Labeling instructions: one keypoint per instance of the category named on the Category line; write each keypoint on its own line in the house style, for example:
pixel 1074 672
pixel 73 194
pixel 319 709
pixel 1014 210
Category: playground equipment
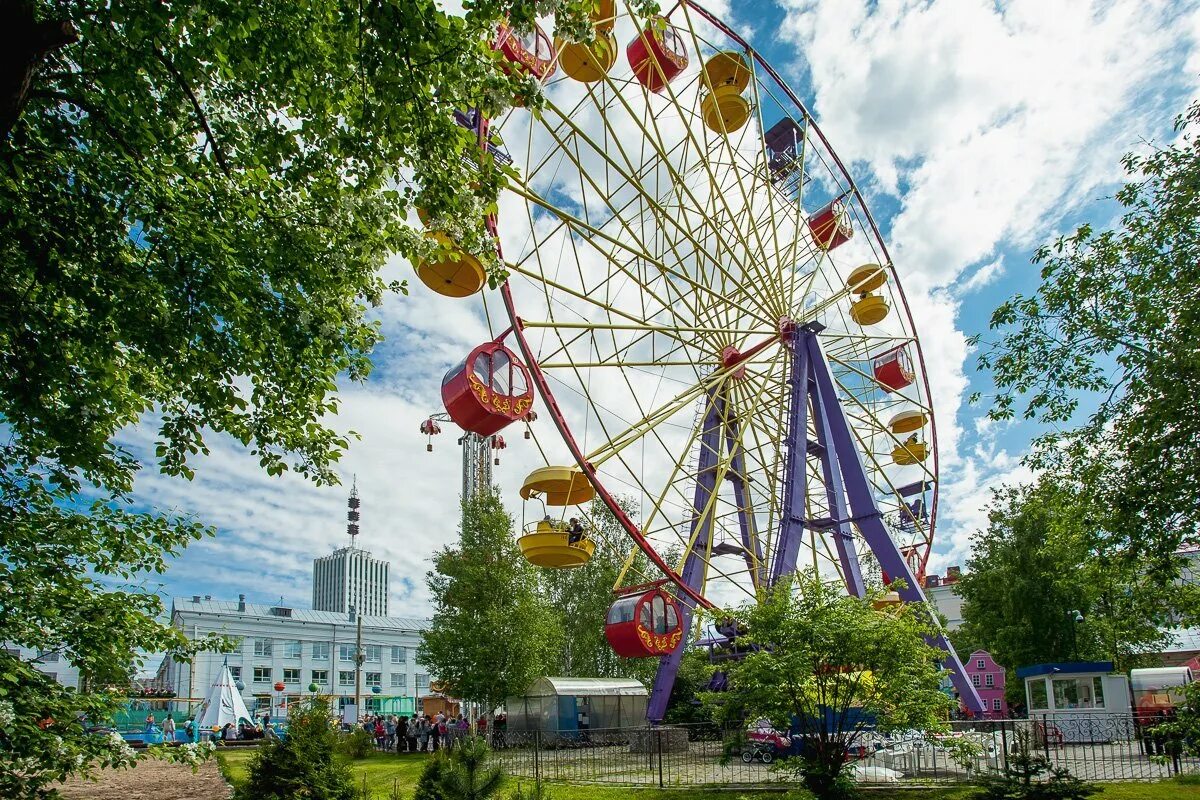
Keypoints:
pixel 714 329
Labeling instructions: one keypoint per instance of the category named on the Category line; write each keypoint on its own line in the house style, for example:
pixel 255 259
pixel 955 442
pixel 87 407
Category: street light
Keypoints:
pixel 1076 617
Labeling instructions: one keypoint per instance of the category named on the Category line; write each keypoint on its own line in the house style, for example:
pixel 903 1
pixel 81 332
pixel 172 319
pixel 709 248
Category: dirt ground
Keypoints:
pixel 152 780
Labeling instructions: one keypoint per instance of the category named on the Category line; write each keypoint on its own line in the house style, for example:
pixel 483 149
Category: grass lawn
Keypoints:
pixel 384 771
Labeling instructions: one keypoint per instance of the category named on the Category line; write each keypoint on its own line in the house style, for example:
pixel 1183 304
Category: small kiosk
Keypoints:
pixel 1078 701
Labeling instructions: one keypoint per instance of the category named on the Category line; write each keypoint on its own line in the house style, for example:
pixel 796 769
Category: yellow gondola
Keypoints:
pixel 588 63
pixel 604 18
pixel 726 75
pixel 547 544
pixel 908 421
pixel 453 272
pixel 869 308
pixel 558 486
pixel 911 452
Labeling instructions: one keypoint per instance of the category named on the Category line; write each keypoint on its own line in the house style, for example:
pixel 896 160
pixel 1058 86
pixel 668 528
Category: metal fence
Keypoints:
pixel 1095 747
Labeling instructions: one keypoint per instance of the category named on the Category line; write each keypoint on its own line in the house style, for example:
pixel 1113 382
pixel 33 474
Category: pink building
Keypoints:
pixel 988 678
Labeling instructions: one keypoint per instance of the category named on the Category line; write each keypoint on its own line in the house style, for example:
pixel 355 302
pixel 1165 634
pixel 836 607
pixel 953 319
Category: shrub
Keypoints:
pixel 302 765
pixel 356 744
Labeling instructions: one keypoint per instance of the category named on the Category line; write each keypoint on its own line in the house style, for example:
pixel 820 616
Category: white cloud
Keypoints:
pixel 983 276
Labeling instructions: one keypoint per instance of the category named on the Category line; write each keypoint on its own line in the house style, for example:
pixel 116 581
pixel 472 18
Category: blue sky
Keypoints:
pixel 977 131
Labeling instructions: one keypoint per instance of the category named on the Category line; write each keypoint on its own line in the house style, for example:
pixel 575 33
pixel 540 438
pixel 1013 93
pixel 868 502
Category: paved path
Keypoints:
pixel 151 780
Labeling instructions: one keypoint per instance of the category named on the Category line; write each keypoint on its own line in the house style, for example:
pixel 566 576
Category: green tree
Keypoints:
pixel 491 635
pixel 304 764
pixel 832 667
pixel 1104 354
pixel 196 200
pixel 1035 567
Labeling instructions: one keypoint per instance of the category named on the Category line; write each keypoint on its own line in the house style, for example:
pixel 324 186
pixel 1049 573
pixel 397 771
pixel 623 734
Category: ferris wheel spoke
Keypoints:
pixel 683 193
pixel 582 226
pixel 655 137
pixel 735 156
pixel 614 212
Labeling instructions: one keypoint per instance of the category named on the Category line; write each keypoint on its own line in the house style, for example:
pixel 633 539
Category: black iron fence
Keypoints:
pixel 1095 747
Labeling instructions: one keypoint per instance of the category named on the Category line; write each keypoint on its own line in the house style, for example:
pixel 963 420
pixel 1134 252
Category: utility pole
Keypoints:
pixel 359 658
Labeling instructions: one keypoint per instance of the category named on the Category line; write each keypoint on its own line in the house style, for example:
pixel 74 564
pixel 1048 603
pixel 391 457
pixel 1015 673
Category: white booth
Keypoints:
pixel 1078 701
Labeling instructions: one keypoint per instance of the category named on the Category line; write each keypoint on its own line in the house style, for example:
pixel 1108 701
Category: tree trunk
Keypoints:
pixel 24 45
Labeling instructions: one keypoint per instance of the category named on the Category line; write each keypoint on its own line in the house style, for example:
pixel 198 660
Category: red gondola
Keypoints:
pixel 893 369
pixel 657 54
pixel 831 225
pixel 487 390
pixel 644 623
pixel 533 52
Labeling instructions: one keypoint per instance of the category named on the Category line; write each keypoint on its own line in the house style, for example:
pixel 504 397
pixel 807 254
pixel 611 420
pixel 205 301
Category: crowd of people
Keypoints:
pixel 420 733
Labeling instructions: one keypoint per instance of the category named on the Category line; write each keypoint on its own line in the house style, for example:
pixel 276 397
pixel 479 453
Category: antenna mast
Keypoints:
pixel 352 513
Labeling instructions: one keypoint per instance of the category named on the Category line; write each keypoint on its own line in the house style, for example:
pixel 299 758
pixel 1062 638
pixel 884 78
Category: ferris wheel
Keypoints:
pixel 703 308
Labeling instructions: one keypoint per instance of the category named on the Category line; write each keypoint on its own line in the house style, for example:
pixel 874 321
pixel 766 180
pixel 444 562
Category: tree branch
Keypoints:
pixel 218 154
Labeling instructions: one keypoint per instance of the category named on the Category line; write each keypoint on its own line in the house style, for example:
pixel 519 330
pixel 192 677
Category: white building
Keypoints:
pixel 350 578
pixel 299 648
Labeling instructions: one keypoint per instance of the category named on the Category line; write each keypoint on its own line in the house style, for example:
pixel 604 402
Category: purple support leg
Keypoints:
pixel 869 520
pixel 741 495
pixel 700 534
pixel 835 494
pixel 795 483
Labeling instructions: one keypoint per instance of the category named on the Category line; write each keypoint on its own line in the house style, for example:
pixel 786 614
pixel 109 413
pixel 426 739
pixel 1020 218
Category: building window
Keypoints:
pixel 262 674
pixel 292 649
pixel 422 681
pixel 996 704
pixel 374 679
pixel 399 655
pixel 1038 698
pixel 345 677
pixel 399 680
pixel 980 664
pixel 345 652
pixel 320 677
pixel 975 680
pixel 291 675
pixel 47 656
pixel 373 652
pixel 236 672
pixel 989 680
pixel 320 651
pixel 262 647
pixel 262 702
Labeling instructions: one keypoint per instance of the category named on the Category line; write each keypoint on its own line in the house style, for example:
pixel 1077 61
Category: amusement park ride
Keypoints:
pixel 703 307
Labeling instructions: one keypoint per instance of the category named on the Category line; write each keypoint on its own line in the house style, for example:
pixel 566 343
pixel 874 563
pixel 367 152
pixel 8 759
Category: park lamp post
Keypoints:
pixel 1076 617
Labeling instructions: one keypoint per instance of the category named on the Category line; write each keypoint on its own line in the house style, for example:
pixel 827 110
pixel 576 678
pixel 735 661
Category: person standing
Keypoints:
pixel 389 733
pixel 422 734
pixel 169 729
pixel 410 733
